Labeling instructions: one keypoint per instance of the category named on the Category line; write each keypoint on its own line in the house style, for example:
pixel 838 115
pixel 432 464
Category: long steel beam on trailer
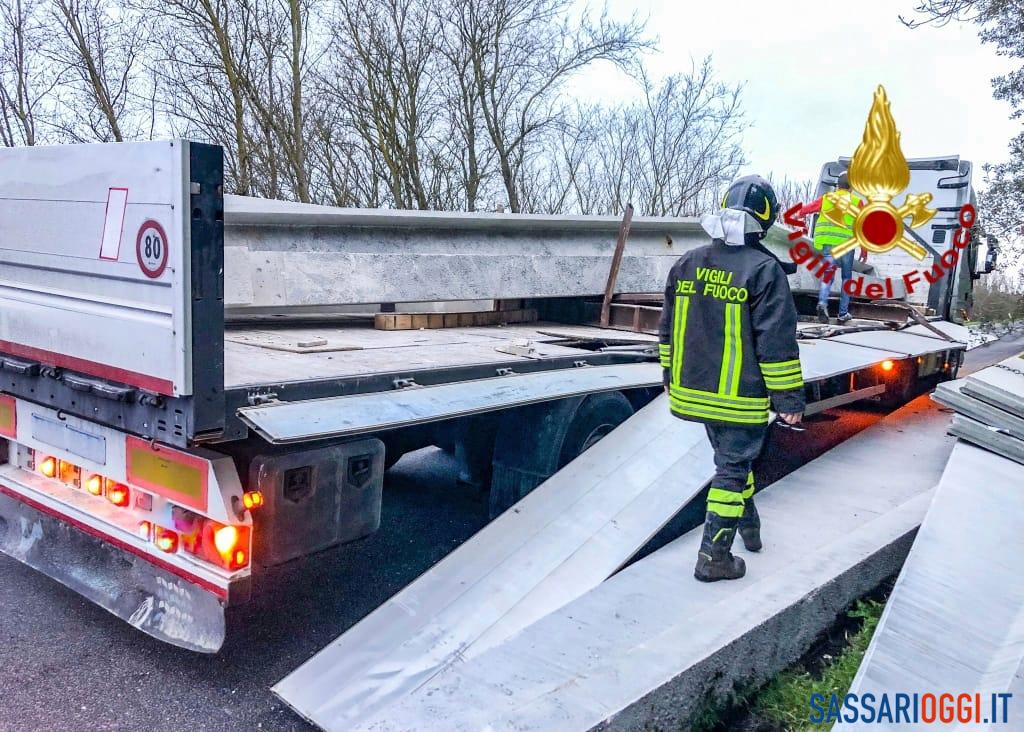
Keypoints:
pixel 280 254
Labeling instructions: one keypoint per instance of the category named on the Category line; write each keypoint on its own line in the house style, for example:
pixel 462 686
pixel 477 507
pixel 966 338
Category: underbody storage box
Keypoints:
pixel 316 498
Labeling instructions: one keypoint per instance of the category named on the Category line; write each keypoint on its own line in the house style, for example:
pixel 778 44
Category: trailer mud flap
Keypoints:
pixel 148 597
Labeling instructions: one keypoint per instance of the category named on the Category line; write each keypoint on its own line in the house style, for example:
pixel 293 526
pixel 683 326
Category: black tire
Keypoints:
pixel 535 442
pixel 900 386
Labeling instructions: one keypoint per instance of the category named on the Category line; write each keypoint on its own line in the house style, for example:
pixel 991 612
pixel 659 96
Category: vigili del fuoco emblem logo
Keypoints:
pixel 879 172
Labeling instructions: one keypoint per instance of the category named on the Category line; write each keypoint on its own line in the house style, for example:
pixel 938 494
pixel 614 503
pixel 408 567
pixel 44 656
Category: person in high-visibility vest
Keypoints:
pixel 727 344
pixel 828 234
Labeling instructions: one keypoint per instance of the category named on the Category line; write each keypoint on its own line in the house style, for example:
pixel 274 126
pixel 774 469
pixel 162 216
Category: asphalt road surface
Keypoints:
pixel 67 664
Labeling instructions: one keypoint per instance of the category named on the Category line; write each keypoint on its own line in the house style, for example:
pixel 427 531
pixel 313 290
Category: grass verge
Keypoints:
pixel 784 701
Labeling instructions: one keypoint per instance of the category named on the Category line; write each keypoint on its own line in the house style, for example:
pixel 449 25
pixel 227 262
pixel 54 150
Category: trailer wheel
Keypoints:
pixel 535 442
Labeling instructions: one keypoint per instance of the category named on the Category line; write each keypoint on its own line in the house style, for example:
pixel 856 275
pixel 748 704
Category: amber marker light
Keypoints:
pixel 94 484
pixel 887 365
pixel 252 499
pixel 48 466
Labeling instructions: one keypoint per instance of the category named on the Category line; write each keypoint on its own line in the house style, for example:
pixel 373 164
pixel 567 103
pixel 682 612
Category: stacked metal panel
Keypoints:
pixel 955 620
pixel 989 407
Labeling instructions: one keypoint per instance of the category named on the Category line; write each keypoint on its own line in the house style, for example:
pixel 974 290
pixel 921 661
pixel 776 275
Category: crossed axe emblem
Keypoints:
pixel 879 226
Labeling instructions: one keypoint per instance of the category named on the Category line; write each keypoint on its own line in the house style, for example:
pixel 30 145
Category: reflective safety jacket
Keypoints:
pixel 727 337
pixel 828 234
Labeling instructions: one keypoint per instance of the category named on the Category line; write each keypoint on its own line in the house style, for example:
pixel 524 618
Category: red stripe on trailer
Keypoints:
pixel 93 368
pixel 220 592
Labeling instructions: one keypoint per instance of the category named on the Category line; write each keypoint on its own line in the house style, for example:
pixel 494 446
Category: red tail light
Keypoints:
pixel 118 494
pixel 225 546
pixel 165 540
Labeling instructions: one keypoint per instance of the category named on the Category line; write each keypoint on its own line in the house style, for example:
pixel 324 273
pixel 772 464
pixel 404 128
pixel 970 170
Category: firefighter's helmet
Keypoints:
pixel 755 195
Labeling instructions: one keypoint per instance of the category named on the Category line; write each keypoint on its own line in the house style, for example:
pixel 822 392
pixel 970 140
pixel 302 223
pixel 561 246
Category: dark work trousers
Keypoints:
pixel 736 449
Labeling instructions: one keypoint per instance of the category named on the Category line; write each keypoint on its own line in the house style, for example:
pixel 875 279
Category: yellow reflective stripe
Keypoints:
pixel 750 478
pixel 784 385
pixel 684 401
pixel 748 492
pixel 679 335
pixel 723 496
pixel 714 400
pixel 726 510
pixel 780 367
pixel 729 378
pixel 734 388
pixel 703 412
pixel 723 368
pixel 744 402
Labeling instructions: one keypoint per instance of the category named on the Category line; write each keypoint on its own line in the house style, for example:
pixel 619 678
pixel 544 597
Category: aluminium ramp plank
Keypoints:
pixel 561 540
pixel 955 619
pixel 910 344
pixel 346 416
pixel 821 358
pixel 642 650
pixel 351 415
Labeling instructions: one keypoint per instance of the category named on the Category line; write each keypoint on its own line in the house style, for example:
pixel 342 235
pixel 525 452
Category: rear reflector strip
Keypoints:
pixel 175 475
pixel 220 592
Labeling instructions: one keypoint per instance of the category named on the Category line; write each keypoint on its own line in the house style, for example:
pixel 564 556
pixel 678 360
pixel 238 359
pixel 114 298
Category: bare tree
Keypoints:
pixel 667 154
pixel 521 53
pixel 98 44
pixel 791 192
pixel 26 84
pixel 388 49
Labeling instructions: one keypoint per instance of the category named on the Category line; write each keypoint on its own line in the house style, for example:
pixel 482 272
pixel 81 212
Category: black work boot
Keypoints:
pixel 823 314
pixel 750 527
pixel 714 560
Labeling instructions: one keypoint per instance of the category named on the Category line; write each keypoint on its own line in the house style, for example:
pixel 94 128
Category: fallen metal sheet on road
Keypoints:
pixel 955 621
pixel 647 647
pixel 950 394
pixel 910 344
pixel 1001 385
pixel 988 437
pixel 563 539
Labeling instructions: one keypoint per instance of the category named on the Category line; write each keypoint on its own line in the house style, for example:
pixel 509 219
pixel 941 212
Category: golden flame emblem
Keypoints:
pixel 879 171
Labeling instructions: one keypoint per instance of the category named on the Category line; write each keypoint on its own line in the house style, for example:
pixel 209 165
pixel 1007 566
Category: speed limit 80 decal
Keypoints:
pixel 151 249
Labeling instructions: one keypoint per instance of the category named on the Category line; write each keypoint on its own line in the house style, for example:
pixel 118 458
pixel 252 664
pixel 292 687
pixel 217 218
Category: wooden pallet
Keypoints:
pixel 418 321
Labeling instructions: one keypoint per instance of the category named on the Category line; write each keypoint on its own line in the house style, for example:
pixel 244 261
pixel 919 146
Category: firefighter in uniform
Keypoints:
pixel 728 349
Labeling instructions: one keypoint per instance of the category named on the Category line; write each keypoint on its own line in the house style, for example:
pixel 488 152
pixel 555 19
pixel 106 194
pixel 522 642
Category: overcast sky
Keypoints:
pixel 810 69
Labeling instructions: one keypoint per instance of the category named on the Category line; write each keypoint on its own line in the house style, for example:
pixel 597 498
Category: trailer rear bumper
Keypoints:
pixel 156 597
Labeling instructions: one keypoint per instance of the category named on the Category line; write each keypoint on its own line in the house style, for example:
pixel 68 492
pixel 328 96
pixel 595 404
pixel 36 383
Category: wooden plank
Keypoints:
pixel 613 273
pixel 420 321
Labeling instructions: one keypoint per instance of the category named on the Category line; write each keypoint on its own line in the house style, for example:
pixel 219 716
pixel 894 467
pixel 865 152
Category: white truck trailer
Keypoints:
pixel 194 389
